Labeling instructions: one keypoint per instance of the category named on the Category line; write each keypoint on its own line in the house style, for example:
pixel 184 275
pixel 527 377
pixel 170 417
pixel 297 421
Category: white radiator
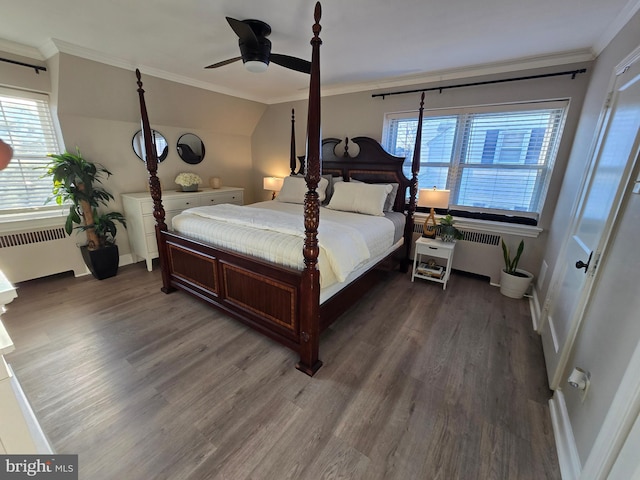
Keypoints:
pixel 26 254
pixel 477 252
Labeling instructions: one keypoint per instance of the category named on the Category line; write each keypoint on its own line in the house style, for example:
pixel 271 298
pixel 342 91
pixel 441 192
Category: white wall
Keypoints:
pixel 610 330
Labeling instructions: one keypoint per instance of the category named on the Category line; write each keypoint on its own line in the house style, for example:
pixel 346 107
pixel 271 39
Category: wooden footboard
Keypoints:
pixel 260 294
pixel 265 296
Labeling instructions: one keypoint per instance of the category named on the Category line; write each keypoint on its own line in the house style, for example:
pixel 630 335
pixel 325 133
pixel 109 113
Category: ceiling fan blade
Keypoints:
pixel 292 63
pixel 244 32
pixel 224 62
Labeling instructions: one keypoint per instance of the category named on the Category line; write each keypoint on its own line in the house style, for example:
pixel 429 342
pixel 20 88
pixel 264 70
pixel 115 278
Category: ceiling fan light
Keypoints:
pixel 255 66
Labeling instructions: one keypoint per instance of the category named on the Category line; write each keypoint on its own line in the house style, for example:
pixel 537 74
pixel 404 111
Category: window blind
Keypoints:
pixel 26 125
pixel 494 159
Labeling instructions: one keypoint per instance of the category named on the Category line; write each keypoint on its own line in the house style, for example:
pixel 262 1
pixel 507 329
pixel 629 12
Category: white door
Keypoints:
pixel 611 165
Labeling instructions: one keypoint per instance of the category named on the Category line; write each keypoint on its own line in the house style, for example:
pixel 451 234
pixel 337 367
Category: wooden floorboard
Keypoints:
pixel 417 383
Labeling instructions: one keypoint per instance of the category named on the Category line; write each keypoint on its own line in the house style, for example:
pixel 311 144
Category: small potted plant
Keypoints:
pixel 514 282
pixel 76 181
pixel 447 232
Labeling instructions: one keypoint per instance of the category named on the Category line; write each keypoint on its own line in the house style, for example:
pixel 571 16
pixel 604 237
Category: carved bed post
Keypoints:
pixel 292 155
pixel 413 190
pixel 154 185
pixel 310 285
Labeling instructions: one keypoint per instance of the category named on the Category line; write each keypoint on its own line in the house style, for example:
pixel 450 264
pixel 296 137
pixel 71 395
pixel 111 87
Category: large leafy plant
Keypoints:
pixel 78 182
pixel 511 264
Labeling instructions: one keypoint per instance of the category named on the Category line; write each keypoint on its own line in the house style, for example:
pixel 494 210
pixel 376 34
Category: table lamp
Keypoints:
pixel 434 198
pixel 272 183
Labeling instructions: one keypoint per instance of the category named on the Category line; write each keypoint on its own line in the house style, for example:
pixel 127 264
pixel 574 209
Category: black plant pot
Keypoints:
pixel 102 263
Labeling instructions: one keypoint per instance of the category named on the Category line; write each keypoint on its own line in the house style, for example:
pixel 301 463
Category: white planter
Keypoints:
pixel 514 286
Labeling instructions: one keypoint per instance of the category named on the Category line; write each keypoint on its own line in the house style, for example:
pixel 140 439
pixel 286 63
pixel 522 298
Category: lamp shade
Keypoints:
pixel 255 66
pixel 430 197
pixel 272 183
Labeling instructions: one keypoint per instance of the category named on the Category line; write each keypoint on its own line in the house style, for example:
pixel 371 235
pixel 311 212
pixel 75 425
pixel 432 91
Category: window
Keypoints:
pixel 26 124
pixel 495 159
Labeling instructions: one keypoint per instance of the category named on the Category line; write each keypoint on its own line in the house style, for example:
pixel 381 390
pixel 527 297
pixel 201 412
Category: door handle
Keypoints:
pixel 580 264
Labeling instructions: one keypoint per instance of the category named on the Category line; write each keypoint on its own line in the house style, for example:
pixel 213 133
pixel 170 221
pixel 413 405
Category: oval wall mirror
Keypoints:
pixel 162 147
pixel 190 148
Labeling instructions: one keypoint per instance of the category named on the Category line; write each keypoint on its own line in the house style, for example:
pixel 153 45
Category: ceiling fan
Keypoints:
pixel 255 48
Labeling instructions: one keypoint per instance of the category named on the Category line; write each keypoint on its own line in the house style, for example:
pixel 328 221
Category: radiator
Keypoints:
pixel 32 253
pixel 477 252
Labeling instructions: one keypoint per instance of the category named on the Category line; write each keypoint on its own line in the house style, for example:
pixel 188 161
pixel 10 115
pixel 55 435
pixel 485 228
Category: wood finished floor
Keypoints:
pixel 417 383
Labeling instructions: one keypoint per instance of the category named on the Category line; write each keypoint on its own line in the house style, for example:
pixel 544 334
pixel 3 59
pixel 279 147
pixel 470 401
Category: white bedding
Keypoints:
pixel 274 231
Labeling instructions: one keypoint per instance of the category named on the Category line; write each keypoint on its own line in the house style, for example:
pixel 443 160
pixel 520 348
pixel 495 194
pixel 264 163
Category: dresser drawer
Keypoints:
pixel 149 223
pixel 146 207
pixel 218 198
pixel 179 203
pixel 152 244
pixel 170 204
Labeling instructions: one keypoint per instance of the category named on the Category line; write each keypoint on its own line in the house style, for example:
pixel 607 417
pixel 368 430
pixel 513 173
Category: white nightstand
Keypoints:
pixel 434 248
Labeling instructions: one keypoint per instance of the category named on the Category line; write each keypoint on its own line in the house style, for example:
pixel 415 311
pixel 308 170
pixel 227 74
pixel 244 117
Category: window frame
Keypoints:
pixel 52 144
pixel 456 165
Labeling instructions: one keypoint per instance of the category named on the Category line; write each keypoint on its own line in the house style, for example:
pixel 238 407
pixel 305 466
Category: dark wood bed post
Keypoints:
pixel 310 286
pixel 292 155
pixel 413 190
pixel 154 185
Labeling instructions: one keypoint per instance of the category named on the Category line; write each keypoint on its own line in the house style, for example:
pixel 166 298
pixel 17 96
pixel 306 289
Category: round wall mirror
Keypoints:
pixel 162 147
pixel 190 148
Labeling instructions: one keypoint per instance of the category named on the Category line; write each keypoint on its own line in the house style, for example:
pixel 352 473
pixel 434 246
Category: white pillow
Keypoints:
pixel 359 197
pixel 294 188
pixel 391 198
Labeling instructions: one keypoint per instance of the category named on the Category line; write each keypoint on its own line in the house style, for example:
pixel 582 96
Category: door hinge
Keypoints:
pixel 596 262
pixel 607 102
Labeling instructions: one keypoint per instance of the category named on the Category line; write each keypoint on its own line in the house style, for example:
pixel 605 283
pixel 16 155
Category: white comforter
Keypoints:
pixel 274 231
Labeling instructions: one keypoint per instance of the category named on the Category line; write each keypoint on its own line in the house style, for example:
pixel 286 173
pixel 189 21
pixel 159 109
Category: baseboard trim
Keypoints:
pixel 534 305
pixel 568 458
pixel 126 259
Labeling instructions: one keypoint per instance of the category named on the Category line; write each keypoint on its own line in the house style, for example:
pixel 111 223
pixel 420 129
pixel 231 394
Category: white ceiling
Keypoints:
pixel 366 43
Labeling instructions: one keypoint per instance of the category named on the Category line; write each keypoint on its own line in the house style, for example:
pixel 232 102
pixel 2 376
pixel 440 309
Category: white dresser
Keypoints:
pixel 138 210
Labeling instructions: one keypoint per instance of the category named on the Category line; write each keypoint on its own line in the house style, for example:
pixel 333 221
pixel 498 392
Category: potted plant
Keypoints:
pixel 514 282
pixel 76 181
pixel 447 232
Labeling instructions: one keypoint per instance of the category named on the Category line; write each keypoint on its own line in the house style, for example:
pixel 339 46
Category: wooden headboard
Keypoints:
pixel 372 164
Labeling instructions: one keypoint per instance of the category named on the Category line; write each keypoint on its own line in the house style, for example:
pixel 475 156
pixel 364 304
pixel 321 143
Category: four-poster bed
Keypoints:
pixel 282 302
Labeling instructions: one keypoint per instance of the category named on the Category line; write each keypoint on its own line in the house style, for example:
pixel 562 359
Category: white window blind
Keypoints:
pixel 26 125
pixel 495 159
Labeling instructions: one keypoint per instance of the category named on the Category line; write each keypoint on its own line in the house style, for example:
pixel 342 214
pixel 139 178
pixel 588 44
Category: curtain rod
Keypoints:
pixel 573 74
pixel 37 68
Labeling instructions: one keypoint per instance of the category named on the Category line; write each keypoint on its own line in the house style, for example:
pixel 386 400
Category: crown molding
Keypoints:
pixel 22 50
pixel 59 46
pixel 618 24
pixel 542 61
pixel 55 46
